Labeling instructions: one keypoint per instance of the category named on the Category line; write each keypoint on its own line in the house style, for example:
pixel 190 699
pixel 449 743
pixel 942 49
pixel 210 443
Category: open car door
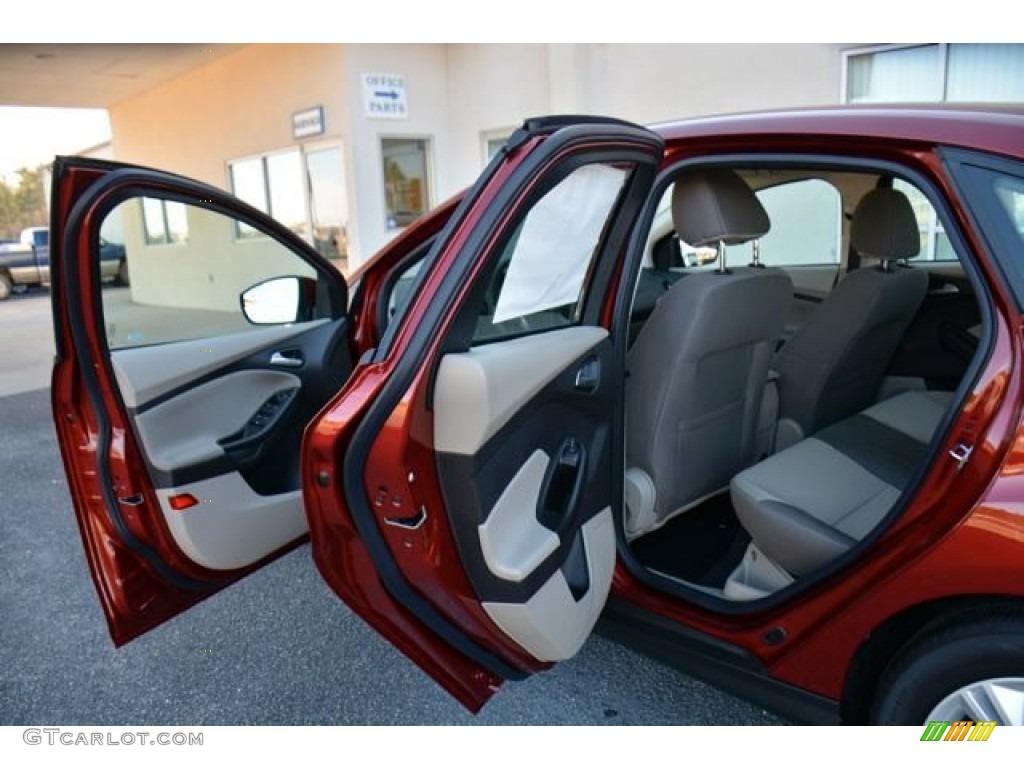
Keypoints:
pixel 180 401
pixel 461 490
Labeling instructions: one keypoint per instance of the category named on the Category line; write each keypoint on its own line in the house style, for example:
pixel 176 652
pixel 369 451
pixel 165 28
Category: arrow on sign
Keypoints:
pixel 386 94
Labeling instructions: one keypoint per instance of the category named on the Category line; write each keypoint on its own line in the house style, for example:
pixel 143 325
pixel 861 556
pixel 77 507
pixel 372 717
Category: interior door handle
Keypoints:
pixel 560 492
pixel 289 359
pixel 588 377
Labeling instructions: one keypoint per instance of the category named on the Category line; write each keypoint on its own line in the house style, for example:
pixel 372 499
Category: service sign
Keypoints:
pixel 384 96
pixel 308 122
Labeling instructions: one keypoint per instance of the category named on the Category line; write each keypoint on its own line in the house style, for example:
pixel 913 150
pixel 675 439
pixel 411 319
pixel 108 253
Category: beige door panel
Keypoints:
pixel 476 394
pixel 145 373
pixel 184 430
pixel 232 526
pixel 552 625
pixel 478 391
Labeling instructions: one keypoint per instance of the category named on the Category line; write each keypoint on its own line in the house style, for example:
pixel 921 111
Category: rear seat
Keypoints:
pixel 813 501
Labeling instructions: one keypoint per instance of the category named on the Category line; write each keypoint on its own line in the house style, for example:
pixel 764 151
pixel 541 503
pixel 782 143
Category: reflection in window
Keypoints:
pixel 164 222
pixel 327 202
pixel 249 185
pixel 956 72
pixel 287 200
pixel 1010 193
pixel 902 74
pixel 405 180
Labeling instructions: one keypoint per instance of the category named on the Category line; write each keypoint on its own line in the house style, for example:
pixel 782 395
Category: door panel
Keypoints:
pixel 145 374
pixel 180 423
pixel 529 464
pixel 483 418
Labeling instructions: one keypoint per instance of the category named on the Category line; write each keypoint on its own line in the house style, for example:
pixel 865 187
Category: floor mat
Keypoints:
pixel 702 545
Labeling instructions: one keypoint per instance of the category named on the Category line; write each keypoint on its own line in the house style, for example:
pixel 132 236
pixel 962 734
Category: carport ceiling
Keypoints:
pixel 96 75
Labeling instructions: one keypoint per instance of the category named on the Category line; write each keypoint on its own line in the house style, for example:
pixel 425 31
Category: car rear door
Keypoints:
pixel 462 491
pixel 180 401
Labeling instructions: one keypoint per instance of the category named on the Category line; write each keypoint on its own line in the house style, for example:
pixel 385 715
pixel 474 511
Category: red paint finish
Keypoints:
pixel 134 596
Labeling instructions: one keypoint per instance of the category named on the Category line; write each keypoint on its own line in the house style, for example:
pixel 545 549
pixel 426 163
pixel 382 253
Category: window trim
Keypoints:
pixel 428 155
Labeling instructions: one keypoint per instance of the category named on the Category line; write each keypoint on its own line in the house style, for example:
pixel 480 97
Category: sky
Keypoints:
pixel 33 135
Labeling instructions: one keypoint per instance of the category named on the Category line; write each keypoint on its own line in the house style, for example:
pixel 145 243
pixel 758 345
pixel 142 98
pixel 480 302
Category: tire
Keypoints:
pixel 952 659
pixel 6 286
pixel 122 277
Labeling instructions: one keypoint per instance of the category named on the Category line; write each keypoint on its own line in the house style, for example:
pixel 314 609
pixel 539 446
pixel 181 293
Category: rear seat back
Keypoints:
pixel 832 367
pixel 811 502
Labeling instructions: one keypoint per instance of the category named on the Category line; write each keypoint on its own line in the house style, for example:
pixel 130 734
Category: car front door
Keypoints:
pixel 462 490
pixel 180 401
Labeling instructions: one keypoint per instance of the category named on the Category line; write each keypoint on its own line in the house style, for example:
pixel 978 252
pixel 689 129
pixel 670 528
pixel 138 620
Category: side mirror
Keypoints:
pixel 279 300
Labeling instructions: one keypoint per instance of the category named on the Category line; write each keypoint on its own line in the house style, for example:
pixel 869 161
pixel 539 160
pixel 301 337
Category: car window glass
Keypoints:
pixel 542 271
pixel 806 228
pixel 1010 193
pixel 174 272
pixel 935 245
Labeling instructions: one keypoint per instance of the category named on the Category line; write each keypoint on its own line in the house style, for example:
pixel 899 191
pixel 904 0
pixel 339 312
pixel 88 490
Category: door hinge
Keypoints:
pixel 961 453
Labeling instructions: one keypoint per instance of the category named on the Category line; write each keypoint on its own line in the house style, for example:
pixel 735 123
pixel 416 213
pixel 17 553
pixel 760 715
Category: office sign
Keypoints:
pixel 384 96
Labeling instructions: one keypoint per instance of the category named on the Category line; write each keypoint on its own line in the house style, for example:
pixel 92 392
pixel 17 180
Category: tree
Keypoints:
pixel 23 203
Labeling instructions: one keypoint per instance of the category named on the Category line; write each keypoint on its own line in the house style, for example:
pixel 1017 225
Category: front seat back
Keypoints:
pixel 698 368
pixel 833 366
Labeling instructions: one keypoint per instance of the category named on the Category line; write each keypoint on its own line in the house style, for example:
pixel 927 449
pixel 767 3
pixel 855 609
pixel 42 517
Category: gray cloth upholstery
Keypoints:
pixel 884 226
pixel 697 374
pixel 714 205
pixel 832 367
pixel 810 503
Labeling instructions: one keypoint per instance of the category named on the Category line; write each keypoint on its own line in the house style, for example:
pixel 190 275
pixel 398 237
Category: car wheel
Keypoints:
pixel 969 671
pixel 6 287
pixel 122 273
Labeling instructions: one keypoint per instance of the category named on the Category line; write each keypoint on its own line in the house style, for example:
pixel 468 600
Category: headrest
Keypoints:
pixel 884 226
pixel 712 205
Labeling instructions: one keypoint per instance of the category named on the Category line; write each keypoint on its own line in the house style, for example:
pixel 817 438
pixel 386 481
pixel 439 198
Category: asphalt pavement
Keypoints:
pixel 278 648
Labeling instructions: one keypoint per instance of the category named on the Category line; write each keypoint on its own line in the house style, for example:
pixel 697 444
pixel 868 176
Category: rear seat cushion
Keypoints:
pixel 811 502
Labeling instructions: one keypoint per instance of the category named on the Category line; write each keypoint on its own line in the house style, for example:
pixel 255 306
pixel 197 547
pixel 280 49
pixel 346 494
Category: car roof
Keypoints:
pixel 984 127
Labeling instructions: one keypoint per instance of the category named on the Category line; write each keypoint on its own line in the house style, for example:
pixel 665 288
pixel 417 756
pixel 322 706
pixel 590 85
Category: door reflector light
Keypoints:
pixel 182 501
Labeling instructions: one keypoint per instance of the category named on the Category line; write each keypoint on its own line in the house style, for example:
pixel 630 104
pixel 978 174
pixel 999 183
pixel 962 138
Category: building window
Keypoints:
pixel 164 222
pixel 493 141
pixel 406 187
pixel 303 189
pixel 938 72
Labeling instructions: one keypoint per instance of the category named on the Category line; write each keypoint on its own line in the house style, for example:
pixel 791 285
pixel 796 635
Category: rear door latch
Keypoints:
pixel 961 454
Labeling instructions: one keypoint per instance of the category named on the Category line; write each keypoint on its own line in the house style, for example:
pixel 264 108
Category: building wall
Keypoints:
pixel 458 95
pixel 424 69
pixel 239 105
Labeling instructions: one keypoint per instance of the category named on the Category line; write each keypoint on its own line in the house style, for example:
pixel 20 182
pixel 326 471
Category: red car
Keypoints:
pixel 743 392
